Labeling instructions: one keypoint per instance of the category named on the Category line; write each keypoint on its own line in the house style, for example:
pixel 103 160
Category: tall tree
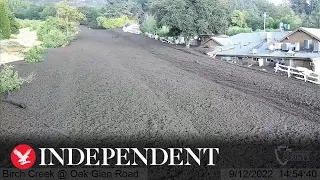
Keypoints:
pixel 49 10
pixel 5 28
pixel 190 17
pixel 69 15
pixel 115 9
pixel 315 16
pixel 149 24
pixel 292 19
pixel 239 18
pixel 302 6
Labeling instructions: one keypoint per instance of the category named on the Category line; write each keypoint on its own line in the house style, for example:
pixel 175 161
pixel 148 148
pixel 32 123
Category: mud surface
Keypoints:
pixel 119 89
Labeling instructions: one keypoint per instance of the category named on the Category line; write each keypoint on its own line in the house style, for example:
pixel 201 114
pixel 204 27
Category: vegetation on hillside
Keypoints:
pixel 183 17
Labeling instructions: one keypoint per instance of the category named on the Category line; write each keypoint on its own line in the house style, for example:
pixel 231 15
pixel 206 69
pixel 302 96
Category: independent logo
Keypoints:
pixel 23 156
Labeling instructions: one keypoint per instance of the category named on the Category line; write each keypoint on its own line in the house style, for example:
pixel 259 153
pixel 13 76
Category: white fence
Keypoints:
pixel 299 73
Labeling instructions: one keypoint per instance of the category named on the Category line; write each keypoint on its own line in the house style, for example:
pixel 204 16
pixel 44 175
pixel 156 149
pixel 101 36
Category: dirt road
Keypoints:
pixel 111 87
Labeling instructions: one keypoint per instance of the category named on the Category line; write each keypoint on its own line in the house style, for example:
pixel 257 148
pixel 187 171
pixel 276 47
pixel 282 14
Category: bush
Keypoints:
pixel 110 23
pixel 268 30
pixel 9 79
pixel 32 24
pixel 53 33
pixel 34 54
pixel 149 25
pixel 237 30
pixel 163 31
pixel 54 38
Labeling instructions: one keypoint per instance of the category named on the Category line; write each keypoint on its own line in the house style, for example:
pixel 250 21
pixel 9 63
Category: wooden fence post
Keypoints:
pixel 289 71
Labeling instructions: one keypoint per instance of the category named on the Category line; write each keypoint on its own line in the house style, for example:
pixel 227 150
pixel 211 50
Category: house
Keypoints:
pixel 216 41
pixel 299 48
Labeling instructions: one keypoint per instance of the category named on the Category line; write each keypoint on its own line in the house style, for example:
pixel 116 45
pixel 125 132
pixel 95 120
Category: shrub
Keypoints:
pixel 149 25
pixel 9 79
pixel 237 30
pixel 54 38
pixel 60 30
pixel 268 30
pixel 54 32
pixel 110 23
pixel 163 31
pixel 34 54
pixel 32 24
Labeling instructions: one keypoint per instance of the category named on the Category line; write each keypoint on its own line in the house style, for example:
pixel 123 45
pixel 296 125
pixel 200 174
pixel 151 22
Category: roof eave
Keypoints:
pixel 263 55
pixel 303 30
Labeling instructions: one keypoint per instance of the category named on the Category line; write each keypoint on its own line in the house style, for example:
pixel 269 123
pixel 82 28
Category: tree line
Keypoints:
pixel 185 17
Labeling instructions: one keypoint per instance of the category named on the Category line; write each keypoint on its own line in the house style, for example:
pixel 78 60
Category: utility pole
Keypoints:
pixel 264 20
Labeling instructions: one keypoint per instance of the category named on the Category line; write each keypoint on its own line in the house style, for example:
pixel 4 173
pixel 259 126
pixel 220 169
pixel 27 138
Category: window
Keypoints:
pixel 255 59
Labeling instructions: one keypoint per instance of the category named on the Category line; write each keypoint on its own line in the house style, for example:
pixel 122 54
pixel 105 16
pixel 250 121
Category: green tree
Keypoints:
pixel 190 17
pixel 292 19
pixel 307 21
pixel 302 6
pixel 91 15
pixel 254 21
pixel 115 9
pixel 25 9
pixel 239 18
pixel 211 17
pixel 315 16
pixel 5 28
pixel 149 24
pixel 70 16
pixel 14 24
pixel 53 33
pixel 49 10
